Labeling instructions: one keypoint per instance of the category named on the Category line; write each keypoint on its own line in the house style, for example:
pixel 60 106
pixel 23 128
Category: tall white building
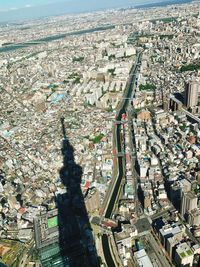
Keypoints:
pixel 184 255
pixel 191 94
pixel 188 202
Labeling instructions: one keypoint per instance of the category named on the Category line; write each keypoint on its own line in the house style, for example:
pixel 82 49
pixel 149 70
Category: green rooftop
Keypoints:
pixel 182 254
pixel 53 222
pixel 189 252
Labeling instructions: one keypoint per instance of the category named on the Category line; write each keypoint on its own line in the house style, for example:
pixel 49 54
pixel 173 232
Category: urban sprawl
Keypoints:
pixel 100 139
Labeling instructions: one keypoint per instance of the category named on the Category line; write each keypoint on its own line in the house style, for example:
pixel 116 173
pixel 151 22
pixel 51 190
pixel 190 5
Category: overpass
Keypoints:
pixel 189 114
pixel 179 103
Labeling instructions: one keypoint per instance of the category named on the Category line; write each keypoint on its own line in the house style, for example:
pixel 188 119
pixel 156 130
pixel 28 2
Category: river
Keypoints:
pixel 13 47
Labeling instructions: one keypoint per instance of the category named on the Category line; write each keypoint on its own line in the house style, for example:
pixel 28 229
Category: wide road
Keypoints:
pixel 161 256
pixel 116 185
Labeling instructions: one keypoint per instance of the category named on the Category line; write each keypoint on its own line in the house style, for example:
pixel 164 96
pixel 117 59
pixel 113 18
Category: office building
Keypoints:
pixel 168 231
pixel 143 259
pixel 191 94
pixel 194 217
pixel 46 229
pixel 184 255
pixel 188 202
pixel 47 239
pixel 171 244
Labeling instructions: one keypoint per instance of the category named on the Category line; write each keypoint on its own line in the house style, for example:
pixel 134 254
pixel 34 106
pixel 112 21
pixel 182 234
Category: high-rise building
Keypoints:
pixel 184 255
pixel 191 94
pixel 169 230
pixel 189 202
pixel 194 217
pixel 46 229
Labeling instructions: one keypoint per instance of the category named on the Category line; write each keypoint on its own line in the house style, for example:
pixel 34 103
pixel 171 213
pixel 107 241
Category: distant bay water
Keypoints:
pixel 77 6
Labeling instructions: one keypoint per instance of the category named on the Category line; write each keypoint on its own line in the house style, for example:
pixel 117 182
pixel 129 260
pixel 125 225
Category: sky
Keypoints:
pixel 14 4
pixel 11 10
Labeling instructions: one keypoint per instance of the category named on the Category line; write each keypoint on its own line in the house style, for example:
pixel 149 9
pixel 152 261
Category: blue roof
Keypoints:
pixel 158 224
pixel 57 98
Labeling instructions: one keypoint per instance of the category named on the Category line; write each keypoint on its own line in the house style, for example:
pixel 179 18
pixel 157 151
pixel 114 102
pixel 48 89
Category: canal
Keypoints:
pixel 122 110
pixel 106 251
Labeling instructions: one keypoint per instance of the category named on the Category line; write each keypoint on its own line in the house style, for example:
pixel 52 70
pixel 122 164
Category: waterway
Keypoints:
pixel 13 47
pixel 106 251
pixel 122 110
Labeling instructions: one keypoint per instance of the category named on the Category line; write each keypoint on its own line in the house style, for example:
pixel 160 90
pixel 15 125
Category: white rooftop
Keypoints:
pixel 143 259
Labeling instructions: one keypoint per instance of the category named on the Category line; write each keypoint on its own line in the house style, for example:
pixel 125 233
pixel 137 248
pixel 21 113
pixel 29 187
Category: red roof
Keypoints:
pixel 21 210
pixel 87 184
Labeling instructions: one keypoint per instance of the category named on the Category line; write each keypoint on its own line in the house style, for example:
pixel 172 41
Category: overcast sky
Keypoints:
pixel 25 9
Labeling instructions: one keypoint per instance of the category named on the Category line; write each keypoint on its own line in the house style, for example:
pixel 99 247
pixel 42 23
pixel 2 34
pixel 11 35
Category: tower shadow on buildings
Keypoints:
pixel 76 241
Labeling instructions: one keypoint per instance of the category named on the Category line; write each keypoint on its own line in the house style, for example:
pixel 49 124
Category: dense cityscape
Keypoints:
pixel 100 139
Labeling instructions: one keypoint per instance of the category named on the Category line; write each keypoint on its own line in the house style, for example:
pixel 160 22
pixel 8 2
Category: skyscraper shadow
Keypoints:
pixel 76 241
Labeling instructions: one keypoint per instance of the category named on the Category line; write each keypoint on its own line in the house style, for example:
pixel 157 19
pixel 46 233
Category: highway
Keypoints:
pixel 122 109
pixel 116 185
pixel 161 255
pixel 189 114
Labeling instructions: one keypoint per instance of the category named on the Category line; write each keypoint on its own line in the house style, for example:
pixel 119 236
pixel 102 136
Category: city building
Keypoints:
pixel 188 202
pixel 184 255
pixel 46 229
pixel 143 259
pixel 192 90
pixel 194 217
pixel 168 231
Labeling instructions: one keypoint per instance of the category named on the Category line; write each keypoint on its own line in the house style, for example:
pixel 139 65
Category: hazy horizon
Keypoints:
pixel 15 10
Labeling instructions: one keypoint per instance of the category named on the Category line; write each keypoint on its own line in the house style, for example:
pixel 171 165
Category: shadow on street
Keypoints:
pixel 76 241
